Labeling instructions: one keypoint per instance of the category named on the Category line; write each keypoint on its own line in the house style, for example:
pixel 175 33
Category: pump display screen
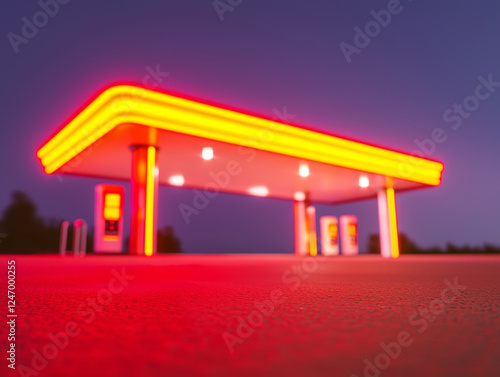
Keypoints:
pixel 112 207
pixel 333 231
pixel 108 218
pixel 353 233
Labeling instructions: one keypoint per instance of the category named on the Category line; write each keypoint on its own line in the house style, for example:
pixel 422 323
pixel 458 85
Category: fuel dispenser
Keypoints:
pixel 349 235
pixel 108 218
pixel 329 227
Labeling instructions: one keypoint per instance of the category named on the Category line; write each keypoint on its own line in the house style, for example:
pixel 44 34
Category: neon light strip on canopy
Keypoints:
pixel 127 104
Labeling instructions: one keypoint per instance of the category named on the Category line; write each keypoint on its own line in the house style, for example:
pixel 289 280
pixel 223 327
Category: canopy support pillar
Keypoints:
pixel 144 194
pixel 388 224
pixel 305 228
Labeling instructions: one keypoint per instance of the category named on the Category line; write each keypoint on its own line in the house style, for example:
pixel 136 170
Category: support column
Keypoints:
pixel 301 244
pixel 311 230
pixel 389 239
pixel 144 194
pixel 305 228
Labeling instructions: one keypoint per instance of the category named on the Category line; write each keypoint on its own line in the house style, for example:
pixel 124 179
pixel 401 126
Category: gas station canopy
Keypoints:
pixel 130 133
pixel 264 157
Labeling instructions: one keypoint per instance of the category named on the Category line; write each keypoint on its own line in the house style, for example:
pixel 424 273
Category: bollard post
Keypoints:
pixel 63 238
pixel 79 237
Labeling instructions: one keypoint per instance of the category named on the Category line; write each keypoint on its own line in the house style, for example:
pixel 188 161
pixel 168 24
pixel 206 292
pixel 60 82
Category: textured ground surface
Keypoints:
pixel 169 315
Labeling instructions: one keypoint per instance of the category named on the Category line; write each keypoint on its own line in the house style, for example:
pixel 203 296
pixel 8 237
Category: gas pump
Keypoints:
pixel 108 218
pixel 349 235
pixel 329 235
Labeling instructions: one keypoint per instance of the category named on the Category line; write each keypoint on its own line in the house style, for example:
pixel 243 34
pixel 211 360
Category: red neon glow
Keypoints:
pixel 164 111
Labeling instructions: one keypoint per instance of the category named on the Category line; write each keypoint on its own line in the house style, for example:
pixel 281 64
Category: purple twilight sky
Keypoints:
pixel 262 56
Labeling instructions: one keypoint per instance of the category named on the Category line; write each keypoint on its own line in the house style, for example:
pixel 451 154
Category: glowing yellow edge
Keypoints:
pixel 391 206
pixel 313 245
pixel 125 104
pixel 84 115
pixel 150 199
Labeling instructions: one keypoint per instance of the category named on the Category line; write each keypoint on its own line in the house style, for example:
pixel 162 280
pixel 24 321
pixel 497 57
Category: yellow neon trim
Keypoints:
pixel 150 199
pixel 393 222
pixel 292 143
pixel 233 116
pixel 87 113
pixel 63 153
pixel 314 152
pixel 129 104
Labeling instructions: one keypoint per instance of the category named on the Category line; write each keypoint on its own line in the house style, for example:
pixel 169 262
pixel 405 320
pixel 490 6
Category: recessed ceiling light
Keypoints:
pixel 304 170
pixel 176 180
pixel 364 181
pixel 299 196
pixel 258 191
pixel 207 153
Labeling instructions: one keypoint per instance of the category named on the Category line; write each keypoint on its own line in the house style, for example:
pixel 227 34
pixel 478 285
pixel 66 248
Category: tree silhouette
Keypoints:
pixel 374 244
pixel 167 241
pixel 407 246
pixel 21 227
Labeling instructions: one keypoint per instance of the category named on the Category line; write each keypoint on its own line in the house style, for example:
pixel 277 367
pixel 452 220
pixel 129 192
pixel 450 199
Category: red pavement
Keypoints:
pixel 254 315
